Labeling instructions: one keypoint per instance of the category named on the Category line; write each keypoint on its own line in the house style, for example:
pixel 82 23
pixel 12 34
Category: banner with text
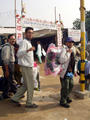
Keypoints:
pixel 75 34
pixel 59 36
pixel 19 35
pixel 40 24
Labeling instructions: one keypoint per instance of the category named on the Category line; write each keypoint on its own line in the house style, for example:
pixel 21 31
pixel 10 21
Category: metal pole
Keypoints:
pixel 15 16
pixel 59 18
pixel 21 7
pixel 22 16
pixel 55 15
pixel 82 74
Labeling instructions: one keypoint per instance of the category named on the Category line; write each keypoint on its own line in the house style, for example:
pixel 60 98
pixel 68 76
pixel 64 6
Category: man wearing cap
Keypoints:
pixel 67 60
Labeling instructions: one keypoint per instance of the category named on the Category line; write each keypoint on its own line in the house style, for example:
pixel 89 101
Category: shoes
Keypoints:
pixel 16 103
pixel 11 94
pixel 23 96
pixel 65 105
pixel 4 97
pixel 69 100
pixel 1 97
pixel 36 89
pixel 32 106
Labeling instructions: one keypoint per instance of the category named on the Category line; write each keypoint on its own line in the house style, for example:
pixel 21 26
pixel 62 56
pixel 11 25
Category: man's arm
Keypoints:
pixel 65 56
pixel 6 54
pixel 77 51
pixel 31 49
pixel 6 58
pixel 23 49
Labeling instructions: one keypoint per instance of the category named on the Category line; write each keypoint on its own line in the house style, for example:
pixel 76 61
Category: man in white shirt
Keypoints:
pixel 39 52
pixel 26 61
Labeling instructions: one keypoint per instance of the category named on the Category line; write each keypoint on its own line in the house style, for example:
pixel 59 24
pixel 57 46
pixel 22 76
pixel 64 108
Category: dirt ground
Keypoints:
pixel 48 101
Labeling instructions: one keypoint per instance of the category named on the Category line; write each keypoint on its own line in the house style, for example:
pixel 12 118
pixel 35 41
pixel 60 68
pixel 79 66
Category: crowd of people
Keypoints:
pixel 18 68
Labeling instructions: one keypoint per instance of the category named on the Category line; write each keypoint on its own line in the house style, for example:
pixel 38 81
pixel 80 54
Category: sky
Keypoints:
pixel 42 9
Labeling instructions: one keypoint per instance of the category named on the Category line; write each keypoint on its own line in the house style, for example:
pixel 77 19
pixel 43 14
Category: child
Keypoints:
pixel 36 77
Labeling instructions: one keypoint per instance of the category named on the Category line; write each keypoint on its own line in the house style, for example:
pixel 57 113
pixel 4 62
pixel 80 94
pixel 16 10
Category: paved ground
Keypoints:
pixel 47 99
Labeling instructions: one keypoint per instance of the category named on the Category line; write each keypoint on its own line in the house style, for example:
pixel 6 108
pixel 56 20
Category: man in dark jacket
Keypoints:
pixel 67 78
pixel 8 60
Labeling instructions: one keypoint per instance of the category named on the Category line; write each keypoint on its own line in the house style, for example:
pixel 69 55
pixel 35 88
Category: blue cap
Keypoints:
pixel 69 39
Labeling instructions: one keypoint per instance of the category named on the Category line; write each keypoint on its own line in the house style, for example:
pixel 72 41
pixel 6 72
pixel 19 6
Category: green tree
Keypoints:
pixel 76 24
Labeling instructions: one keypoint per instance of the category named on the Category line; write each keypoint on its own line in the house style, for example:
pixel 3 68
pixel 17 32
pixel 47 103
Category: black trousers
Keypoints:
pixel 66 88
pixel 9 83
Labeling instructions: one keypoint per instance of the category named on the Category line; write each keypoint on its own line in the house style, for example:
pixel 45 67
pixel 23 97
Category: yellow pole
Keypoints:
pixel 82 75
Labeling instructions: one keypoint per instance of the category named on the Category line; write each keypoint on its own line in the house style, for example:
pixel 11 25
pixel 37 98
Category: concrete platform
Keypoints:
pixel 82 95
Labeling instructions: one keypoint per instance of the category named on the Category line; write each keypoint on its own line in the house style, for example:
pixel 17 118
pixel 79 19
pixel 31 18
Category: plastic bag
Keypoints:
pixel 52 64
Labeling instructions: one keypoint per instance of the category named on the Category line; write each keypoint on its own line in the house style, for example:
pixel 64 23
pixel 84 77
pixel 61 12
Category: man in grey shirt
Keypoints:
pixel 8 59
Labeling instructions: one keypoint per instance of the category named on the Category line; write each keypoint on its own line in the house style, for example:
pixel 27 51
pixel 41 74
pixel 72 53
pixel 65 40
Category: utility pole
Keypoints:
pixel 15 15
pixel 82 74
pixel 21 7
pixel 55 15
pixel 59 17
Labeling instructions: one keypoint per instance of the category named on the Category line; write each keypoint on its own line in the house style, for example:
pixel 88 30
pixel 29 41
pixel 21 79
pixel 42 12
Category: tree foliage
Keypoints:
pixel 76 24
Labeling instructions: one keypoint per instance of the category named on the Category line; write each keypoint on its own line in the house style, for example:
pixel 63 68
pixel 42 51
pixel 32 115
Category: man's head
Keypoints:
pixel 69 42
pixel 38 42
pixel 5 40
pixel 12 39
pixel 29 33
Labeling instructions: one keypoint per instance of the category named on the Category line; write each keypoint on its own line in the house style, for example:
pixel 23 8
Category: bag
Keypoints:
pixel 43 52
pixel 52 60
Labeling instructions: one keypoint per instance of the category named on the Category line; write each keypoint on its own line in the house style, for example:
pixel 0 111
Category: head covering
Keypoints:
pixel 69 39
